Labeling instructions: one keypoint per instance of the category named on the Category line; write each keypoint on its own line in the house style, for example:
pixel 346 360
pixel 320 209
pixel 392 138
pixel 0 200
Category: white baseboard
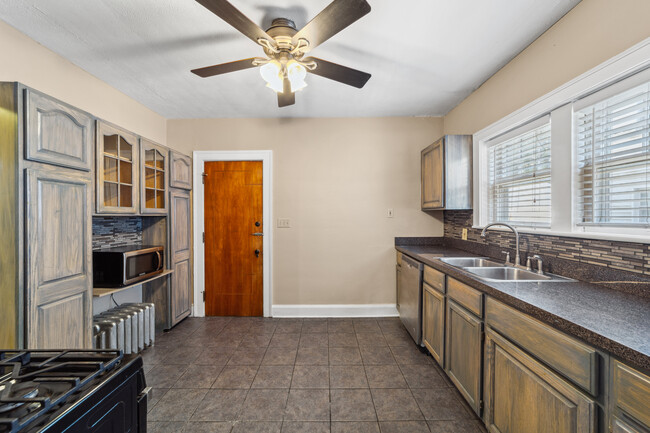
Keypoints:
pixel 354 310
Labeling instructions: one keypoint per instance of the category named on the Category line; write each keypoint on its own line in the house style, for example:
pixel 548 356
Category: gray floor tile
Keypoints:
pixel 165 427
pixel 182 354
pixel 385 376
pixel 441 404
pixel 154 397
pixel 282 340
pixel 366 325
pixel 236 377
pixel 343 340
pixel 247 356
pixel 279 356
pixel 352 405
pixel 257 427
pixel 313 356
pixel 177 405
pixel 348 376
pixel 371 339
pixel 466 426
pixel 345 356
pixel 256 340
pixel 314 326
pixel 206 427
pixel 264 405
pixel 404 427
pixel 198 376
pixel 164 375
pixel 273 376
pixel 305 427
pixel 355 427
pixel 308 405
pixel 339 325
pixel 377 355
pixel 214 356
pixel 395 405
pixel 289 326
pixel 319 340
pixel 398 338
pixel 311 376
pixel 410 355
pixel 423 376
pixel 220 405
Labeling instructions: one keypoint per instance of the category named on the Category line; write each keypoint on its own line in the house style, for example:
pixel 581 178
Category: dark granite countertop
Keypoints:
pixel 613 321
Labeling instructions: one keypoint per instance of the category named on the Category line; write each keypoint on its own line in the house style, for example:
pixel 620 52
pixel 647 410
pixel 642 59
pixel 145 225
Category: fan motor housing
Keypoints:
pixel 282 30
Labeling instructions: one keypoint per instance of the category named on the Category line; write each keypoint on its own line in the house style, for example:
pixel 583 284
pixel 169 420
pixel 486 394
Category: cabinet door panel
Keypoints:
pixel 57 133
pixel 433 323
pixel 59 259
pixel 181 225
pixel 180 291
pixel 521 395
pixel 433 176
pixel 463 353
pixel 630 393
pixel 154 173
pixel 181 171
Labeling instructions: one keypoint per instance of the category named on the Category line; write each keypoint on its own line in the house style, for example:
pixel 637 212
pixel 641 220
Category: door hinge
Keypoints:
pixel 203 296
pixel 203 176
pixel 203 236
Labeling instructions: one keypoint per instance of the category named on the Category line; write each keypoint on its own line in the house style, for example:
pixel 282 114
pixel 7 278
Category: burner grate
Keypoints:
pixel 62 373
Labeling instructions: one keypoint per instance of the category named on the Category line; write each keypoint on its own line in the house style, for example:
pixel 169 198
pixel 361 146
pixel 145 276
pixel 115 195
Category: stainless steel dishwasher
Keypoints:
pixel 409 297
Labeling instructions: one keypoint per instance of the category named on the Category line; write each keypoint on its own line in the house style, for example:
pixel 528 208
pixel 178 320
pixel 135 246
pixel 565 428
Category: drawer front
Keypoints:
pixel 434 278
pixel 571 358
pixel 466 296
pixel 631 392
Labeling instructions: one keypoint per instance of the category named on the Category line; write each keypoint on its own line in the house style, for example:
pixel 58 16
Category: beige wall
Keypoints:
pixel 28 62
pixel 335 180
pixel 588 35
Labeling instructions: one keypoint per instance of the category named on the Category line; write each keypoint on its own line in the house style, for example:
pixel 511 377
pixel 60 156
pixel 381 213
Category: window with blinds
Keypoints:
pixel 519 176
pixel 613 160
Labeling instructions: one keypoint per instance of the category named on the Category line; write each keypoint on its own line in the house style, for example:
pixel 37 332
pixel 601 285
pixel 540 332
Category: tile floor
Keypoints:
pixel 222 374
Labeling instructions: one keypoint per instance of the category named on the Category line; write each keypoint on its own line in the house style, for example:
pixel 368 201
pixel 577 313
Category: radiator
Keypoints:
pixel 129 327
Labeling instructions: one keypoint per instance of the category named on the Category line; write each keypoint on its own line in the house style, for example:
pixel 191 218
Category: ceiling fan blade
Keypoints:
pixel 287 97
pixel 224 68
pixel 331 20
pixel 339 73
pixel 230 14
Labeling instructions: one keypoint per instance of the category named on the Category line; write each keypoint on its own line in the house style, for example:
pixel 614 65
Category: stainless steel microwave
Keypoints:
pixel 122 266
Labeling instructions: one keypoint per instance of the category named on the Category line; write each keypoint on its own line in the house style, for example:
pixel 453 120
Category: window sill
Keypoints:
pixel 617 237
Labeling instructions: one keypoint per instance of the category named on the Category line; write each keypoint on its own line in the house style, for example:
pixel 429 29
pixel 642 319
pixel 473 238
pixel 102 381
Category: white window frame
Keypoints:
pixel 559 104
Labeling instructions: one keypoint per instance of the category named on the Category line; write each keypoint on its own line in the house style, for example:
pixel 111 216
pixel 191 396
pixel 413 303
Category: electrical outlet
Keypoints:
pixel 284 223
pixel 389 214
pixel 464 235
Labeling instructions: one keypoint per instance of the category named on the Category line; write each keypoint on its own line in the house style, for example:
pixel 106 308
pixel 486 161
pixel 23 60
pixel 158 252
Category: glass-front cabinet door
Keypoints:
pixel 117 162
pixel 154 163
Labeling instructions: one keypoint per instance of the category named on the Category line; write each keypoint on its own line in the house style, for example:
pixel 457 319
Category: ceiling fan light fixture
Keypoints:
pixel 296 74
pixel 271 72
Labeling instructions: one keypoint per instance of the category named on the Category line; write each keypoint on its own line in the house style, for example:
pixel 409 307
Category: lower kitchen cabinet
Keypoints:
pixel 433 322
pixel 464 353
pixel 630 399
pixel 180 291
pixel 180 254
pixel 521 395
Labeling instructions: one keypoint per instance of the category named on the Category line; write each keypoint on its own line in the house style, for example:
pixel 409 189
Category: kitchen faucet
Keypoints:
pixel 514 230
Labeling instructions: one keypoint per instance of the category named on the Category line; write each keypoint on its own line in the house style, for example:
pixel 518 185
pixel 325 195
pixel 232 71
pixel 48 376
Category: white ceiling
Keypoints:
pixel 425 56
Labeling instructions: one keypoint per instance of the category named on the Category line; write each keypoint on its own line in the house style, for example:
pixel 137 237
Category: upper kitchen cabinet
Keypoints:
pixel 447 173
pixel 154 169
pixel 57 133
pixel 117 170
pixel 181 171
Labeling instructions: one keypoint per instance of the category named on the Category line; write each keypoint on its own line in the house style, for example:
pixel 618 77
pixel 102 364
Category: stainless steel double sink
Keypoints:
pixel 489 270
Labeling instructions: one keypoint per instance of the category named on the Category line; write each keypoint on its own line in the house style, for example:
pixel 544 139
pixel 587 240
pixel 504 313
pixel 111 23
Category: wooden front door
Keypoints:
pixel 233 241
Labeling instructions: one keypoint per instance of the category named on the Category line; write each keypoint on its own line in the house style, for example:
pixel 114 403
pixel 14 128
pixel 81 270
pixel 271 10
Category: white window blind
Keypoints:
pixel 519 176
pixel 613 160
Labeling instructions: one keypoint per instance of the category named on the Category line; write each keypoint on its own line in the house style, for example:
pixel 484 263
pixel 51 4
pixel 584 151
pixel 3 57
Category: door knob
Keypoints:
pixel 257 253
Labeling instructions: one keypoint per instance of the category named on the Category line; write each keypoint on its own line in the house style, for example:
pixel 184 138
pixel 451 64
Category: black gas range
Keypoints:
pixel 101 391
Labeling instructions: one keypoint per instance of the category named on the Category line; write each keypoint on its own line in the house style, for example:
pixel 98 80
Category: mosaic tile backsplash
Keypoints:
pixel 110 232
pixel 623 256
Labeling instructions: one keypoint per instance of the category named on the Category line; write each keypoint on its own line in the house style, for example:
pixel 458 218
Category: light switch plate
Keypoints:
pixel 284 223
pixel 389 214
pixel 464 235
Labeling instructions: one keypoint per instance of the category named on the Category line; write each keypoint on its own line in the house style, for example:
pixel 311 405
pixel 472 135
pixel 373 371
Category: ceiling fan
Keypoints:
pixel 285 66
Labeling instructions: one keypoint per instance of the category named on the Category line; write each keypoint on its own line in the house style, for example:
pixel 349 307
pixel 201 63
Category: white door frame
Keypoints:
pixel 200 157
